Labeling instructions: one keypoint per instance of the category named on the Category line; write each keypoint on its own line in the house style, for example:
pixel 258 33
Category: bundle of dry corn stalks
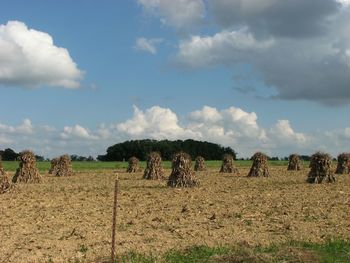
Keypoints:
pixel 62 166
pixel 5 183
pixel 27 171
pixel 227 164
pixel 294 163
pixel 199 165
pixel 133 165
pixel 343 166
pixel 182 174
pixel 320 165
pixel 154 168
pixel 2 171
pixel 53 162
pixel 259 166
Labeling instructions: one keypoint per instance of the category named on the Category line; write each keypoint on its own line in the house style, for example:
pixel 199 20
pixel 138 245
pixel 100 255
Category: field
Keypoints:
pixel 226 219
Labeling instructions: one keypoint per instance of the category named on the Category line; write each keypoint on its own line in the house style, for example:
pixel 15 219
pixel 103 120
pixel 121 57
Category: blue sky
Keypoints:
pixel 271 76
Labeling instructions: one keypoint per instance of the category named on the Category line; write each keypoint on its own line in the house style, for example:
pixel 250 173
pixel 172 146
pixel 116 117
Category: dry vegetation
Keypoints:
pixel 5 183
pixel 259 166
pixel 343 166
pixel 199 165
pixel 320 169
pixel 27 171
pixel 182 174
pixel 294 162
pixel 61 166
pixel 133 165
pixel 68 219
pixel 154 169
pixel 227 165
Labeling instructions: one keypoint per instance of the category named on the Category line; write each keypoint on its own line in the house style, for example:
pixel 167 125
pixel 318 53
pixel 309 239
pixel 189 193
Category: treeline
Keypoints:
pixel 141 148
pixel 10 155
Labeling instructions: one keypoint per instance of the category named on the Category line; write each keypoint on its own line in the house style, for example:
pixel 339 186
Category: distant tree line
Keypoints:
pixel 10 155
pixel 79 158
pixel 141 148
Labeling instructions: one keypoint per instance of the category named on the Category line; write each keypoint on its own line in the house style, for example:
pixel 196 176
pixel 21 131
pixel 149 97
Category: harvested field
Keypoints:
pixel 69 219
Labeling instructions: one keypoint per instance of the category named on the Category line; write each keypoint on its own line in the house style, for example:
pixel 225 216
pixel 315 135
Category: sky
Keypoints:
pixel 79 76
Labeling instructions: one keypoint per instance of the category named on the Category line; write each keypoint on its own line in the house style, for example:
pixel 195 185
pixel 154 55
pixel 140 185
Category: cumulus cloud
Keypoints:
pixel 155 122
pixel 232 126
pixel 76 131
pixel 297 18
pixel 29 58
pixel 25 127
pixel 300 49
pixel 180 14
pixel 147 45
pixel 224 47
pixel 283 131
pixel 312 69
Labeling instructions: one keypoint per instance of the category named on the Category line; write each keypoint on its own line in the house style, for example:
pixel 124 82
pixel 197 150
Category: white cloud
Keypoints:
pixel 29 58
pixel 344 2
pixel 224 47
pixel 178 13
pixel 231 126
pixel 207 114
pixel 155 122
pixel 347 133
pixel 76 131
pixel 283 131
pixel 4 140
pixel 147 45
pixel 300 49
pixel 25 127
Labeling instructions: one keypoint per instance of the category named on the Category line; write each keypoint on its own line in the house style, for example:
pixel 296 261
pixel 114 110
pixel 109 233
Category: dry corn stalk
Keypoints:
pixel 27 171
pixel 62 166
pixel 227 164
pixel 53 162
pixel 154 168
pixel 2 171
pixel 133 165
pixel 259 166
pixel 294 163
pixel 200 164
pixel 320 165
pixel 343 166
pixel 5 183
pixel 182 174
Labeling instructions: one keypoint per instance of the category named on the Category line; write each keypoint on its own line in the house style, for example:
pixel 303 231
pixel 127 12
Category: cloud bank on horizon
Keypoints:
pixel 29 58
pixel 232 127
pixel 299 48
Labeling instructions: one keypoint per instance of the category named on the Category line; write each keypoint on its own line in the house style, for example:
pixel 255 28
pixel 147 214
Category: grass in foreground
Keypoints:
pixel 330 252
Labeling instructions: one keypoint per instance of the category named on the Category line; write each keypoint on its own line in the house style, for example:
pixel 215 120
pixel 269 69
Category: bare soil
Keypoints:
pixel 68 219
